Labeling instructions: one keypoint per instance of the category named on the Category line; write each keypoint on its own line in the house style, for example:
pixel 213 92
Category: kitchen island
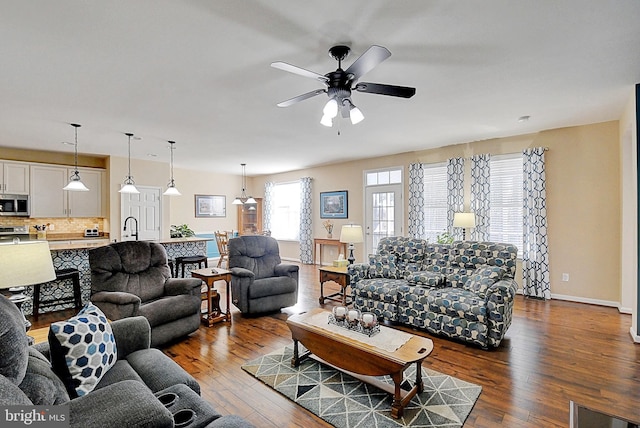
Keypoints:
pixel 74 254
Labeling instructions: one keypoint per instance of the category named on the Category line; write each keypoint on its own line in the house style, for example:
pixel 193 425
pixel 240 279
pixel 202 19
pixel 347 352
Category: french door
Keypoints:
pixel 383 214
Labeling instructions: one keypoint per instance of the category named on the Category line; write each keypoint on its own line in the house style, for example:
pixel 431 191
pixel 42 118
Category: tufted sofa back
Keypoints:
pixel 136 267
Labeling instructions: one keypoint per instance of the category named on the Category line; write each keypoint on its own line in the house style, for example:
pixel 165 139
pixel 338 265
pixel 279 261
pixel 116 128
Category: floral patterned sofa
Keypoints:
pixel 463 290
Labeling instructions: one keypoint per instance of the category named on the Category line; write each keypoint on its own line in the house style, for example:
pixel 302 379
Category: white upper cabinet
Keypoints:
pixel 48 199
pixel 14 178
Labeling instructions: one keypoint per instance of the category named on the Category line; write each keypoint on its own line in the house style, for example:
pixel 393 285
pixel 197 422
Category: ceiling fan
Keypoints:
pixel 341 82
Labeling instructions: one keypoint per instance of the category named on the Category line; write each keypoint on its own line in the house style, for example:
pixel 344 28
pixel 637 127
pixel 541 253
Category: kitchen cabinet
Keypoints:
pixel 14 178
pixel 250 218
pixel 48 199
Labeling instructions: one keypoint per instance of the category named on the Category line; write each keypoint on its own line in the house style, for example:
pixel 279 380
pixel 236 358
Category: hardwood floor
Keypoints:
pixel 554 352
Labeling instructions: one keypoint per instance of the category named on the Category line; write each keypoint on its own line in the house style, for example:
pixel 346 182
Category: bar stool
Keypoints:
pixel 190 260
pixel 171 262
pixel 61 274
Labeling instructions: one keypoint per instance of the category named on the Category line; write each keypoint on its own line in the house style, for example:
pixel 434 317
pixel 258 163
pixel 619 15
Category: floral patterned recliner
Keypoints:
pixel 463 290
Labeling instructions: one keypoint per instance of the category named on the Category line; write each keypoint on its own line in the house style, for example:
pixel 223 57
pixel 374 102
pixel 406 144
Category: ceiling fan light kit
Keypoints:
pixel 341 82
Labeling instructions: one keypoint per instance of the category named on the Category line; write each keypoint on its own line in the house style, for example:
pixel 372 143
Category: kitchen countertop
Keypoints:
pixel 84 243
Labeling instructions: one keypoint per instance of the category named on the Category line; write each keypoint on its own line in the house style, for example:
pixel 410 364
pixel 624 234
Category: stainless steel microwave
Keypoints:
pixel 14 205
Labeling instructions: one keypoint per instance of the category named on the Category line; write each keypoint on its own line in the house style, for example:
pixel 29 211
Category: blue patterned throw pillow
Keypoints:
pixel 83 349
pixel 483 278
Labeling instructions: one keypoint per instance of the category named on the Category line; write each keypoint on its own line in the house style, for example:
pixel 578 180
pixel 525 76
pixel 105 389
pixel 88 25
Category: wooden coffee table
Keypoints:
pixel 359 359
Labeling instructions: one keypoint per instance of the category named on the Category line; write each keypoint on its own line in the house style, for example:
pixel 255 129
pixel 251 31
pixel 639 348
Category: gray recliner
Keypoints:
pixel 260 282
pixel 133 279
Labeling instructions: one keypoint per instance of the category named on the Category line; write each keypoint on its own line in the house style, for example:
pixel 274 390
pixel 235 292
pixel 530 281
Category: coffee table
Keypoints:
pixel 359 359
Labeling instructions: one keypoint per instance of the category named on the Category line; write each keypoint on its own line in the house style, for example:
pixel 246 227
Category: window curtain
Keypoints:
pixel 416 200
pixel 306 219
pixel 480 191
pixel 267 206
pixel 535 252
pixel 455 193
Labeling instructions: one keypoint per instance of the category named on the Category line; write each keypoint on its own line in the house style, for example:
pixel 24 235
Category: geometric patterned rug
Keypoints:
pixel 346 402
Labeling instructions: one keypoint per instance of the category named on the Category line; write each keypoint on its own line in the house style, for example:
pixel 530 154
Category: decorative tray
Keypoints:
pixel 353 320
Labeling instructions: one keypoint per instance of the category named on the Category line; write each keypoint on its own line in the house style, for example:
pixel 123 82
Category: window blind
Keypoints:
pixel 505 212
pixel 435 200
pixel 285 211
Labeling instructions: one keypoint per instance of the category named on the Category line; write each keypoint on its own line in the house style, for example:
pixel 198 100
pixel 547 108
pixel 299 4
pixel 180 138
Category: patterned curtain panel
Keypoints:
pixel 267 206
pixel 480 179
pixel 535 252
pixel 416 200
pixel 455 193
pixel 306 218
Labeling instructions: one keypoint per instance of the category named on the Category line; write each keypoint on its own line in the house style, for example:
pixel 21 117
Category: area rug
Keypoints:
pixel 346 402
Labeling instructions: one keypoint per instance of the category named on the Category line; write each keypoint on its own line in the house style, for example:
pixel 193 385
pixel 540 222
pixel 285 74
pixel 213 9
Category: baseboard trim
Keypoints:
pixel 634 335
pixel 586 300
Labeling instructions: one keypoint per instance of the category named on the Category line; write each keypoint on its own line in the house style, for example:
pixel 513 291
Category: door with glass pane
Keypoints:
pixel 383 214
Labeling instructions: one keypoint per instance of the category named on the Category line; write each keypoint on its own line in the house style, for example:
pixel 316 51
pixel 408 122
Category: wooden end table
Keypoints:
pixel 214 313
pixel 338 275
pixel 359 359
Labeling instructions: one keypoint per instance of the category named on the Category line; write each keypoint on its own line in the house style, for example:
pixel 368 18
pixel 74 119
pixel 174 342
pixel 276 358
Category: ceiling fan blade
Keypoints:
pixel 299 71
pixel 302 97
pixel 378 88
pixel 367 61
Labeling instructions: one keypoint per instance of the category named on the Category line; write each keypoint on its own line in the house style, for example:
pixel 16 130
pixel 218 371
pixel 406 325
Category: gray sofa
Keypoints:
pixel 260 282
pixel 463 290
pixel 129 393
pixel 133 278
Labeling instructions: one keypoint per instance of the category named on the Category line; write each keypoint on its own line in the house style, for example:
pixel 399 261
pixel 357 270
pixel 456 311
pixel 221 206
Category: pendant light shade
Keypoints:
pixel 129 185
pixel 243 198
pixel 75 183
pixel 171 186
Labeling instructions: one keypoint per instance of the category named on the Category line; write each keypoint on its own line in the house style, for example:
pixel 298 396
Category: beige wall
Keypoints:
pixel 583 201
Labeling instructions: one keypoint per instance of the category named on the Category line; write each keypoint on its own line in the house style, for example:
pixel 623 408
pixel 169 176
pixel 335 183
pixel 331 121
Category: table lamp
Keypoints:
pixel 464 220
pixel 351 234
pixel 24 263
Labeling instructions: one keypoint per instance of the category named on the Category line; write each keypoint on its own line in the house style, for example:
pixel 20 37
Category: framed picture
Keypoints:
pixel 211 206
pixel 334 204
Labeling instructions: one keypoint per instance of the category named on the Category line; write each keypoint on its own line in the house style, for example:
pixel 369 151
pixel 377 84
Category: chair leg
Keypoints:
pixel 36 301
pixel 77 297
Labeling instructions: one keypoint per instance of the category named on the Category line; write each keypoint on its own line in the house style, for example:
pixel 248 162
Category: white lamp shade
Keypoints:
pixel 172 191
pixel 351 234
pixel 76 186
pixel 326 121
pixel 129 188
pixel 250 200
pixel 331 108
pixel 236 201
pixel 464 220
pixel 25 263
pixel 356 116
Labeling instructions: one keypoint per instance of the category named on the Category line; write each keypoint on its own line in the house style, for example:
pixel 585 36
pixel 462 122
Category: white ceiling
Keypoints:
pixel 197 72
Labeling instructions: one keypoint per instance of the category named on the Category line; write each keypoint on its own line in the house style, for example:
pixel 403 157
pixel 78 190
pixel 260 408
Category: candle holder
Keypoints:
pixel 354 320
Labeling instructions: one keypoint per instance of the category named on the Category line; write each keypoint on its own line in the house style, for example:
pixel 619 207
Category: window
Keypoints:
pixel 435 200
pixel 389 176
pixel 285 211
pixel 505 212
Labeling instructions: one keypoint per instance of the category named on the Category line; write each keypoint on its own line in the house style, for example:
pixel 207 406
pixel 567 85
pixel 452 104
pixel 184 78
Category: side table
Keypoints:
pixel 321 242
pixel 214 313
pixel 338 275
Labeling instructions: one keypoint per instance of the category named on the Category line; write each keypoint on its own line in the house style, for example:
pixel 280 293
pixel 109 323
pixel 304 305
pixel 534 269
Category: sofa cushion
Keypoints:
pixel 482 278
pixel 41 384
pixel 383 266
pixel 83 348
pixel 13 342
pixel 457 303
pixel 426 278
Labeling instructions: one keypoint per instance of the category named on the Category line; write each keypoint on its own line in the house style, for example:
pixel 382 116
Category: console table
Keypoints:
pixel 327 241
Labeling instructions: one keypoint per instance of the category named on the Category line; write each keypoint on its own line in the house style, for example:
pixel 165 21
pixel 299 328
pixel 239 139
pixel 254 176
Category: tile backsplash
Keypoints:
pixel 60 225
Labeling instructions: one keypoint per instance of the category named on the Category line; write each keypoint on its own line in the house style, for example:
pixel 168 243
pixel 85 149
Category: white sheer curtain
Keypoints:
pixel 480 191
pixel 535 254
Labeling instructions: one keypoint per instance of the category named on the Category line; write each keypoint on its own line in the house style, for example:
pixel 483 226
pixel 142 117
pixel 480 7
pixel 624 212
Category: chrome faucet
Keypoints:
pixel 135 233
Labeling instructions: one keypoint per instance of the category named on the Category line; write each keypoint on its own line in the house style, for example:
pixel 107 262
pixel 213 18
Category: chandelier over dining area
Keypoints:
pixel 243 198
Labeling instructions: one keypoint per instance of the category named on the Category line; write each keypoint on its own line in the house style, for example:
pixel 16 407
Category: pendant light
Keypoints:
pixel 129 184
pixel 75 184
pixel 243 199
pixel 171 187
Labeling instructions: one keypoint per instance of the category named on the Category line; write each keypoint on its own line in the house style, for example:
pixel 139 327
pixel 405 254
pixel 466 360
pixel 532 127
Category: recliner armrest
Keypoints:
pixel 128 403
pixel 116 304
pixel 178 286
pixel 286 269
pixel 242 272
pixel 131 334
